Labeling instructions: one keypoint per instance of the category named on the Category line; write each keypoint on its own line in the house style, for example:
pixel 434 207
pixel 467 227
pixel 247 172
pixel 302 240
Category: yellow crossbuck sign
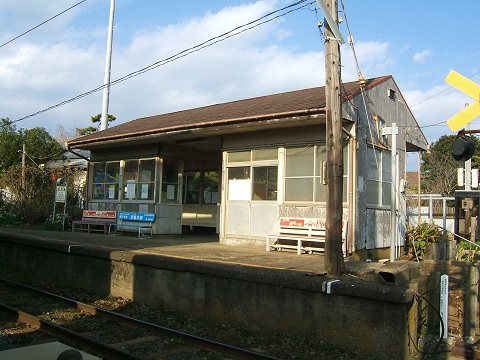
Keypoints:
pixel 471 111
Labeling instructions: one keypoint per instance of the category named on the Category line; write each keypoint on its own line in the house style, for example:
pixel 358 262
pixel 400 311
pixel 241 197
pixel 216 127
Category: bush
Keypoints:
pixel 33 201
pixel 56 223
pixel 9 215
pixel 419 236
pixel 466 251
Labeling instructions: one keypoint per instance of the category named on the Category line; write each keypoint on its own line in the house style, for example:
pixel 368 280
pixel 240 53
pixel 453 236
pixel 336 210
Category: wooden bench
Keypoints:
pixel 141 222
pixel 94 220
pixel 302 234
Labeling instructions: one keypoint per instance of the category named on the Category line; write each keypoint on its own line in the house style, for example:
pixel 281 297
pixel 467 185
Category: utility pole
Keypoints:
pixel 108 64
pixel 334 263
pixel 24 150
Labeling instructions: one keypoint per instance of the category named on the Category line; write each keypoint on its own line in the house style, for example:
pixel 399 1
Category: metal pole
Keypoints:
pixel 24 150
pixel 468 169
pixel 65 207
pixel 419 191
pixel 430 209
pixel 108 63
pixel 393 193
pixel 444 213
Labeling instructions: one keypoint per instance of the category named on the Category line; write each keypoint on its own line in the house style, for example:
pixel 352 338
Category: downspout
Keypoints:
pixel 223 198
pixel 352 194
pixel 351 175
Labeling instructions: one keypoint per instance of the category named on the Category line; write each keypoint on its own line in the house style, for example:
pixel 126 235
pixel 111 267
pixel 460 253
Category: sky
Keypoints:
pixel 417 42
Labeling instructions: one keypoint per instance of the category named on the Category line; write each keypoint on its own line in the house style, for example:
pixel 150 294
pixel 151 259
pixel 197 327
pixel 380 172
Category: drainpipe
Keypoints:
pixel 393 130
pixel 352 194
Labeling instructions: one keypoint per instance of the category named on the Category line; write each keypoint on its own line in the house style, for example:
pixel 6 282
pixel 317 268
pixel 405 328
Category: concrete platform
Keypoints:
pixel 202 247
pixel 194 273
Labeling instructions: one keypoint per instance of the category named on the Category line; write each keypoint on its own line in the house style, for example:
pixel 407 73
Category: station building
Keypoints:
pixel 239 166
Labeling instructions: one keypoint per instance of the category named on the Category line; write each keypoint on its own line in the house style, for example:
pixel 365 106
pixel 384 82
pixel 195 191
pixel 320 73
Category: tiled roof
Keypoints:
pixel 279 105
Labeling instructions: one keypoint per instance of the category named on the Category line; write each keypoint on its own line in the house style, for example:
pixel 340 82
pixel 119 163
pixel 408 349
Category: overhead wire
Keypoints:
pixel 214 40
pixel 361 83
pixel 43 23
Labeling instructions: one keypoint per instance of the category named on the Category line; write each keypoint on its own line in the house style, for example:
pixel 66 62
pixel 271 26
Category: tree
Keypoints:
pixel 10 143
pixel 31 187
pixel 95 119
pixel 439 169
pixel 38 142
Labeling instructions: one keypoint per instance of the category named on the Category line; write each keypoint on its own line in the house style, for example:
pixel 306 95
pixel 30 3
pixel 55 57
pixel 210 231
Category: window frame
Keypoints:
pixel 138 182
pixel 248 161
pixel 315 177
pixel 379 166
pixel 105 184
pixel 139 185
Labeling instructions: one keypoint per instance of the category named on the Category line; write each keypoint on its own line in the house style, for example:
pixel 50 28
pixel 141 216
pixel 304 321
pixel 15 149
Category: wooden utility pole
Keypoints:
pixel 334 263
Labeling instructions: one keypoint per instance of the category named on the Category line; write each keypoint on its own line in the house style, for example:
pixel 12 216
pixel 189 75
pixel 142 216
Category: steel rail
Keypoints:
pixel 192 340
pixel 69 336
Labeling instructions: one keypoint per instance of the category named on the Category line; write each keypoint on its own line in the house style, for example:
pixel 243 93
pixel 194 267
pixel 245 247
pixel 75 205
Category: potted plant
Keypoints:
pixel 427 241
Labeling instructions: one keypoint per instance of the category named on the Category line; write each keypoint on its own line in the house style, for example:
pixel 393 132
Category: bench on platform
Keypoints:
pixel 302 234
pixel 141 222
pixel 94 220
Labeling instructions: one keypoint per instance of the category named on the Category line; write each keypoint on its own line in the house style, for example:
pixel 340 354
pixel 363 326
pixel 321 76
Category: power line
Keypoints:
pixel 26 32
pixel 216 39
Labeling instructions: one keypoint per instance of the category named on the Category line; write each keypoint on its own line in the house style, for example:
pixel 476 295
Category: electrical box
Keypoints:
pixel 466 214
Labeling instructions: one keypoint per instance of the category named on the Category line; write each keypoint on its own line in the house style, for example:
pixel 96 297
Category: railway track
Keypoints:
pixel 105 333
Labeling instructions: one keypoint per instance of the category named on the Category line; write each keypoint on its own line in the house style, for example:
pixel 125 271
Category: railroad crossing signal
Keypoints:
pixel 471 111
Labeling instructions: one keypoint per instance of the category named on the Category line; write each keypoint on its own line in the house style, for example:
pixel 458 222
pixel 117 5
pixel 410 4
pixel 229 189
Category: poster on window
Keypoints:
pixel 130 189
pixel 144 193
pixel 239 189
pixel 170 192
pixel 111 191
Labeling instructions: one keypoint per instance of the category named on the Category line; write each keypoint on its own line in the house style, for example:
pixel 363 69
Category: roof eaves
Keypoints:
pixel 170 129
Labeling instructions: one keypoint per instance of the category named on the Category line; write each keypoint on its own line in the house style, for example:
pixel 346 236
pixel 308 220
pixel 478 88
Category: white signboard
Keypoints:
pixel 60 193
pixel 444 305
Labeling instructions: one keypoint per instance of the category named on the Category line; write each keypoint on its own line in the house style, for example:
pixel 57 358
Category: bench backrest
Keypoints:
pixel 136 216
pixel 306 226
pixel 95 215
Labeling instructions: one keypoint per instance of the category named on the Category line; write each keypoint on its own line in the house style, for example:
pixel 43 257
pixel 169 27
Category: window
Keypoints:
pixel 305 173
pixel 379 177
pixel 200 187
pixel 253 175
pixel 106 177
pixel 265 183
pixel 192 185
pixel 170 181
pixel 239 183
pixel 139 179
pixel 210 187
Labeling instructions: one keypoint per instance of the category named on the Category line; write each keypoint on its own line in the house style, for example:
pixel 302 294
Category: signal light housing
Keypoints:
pixel 463 148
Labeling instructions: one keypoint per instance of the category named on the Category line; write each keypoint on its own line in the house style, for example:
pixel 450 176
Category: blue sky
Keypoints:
pixel 417 42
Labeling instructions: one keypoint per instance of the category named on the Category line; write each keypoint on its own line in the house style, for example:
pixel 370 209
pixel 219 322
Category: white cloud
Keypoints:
pixel 432 108
pixel 421 57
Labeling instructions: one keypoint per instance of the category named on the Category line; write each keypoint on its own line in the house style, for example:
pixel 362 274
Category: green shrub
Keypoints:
pixel 56 223
pixel 419 236
pixel 9 215
pixel 466 251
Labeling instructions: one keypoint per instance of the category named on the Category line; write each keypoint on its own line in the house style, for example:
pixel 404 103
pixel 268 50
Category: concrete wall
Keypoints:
pixel 370 317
